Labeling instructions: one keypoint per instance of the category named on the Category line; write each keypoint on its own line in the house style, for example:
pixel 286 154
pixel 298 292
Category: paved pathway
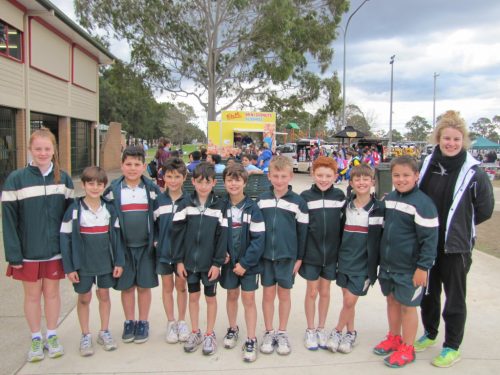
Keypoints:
pixel 480 353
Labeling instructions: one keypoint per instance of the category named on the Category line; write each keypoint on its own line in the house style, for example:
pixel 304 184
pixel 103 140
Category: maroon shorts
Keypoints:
pixel 34 271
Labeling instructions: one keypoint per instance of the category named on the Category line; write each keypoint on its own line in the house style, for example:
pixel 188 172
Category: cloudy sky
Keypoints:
pixel 458 39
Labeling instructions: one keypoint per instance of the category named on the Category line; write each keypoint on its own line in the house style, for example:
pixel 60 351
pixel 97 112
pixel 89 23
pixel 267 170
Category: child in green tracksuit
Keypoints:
pixel 134 198
pixel 361 227
pixel 407 252
pixel 199 241
pixel 92 254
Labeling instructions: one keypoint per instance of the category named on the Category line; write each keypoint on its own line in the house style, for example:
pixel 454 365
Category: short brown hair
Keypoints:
pixel 362 170
pixel 237 171
pixel 94 173
pixel 408 160
pixel 325 162
pixel 280 163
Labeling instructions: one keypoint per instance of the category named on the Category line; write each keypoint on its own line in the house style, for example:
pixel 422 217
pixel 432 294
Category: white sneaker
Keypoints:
pixel 172 336
pixel 334 340
pixel 322 337
pixel 268 342
pixel 250 350
pixel 36 350
pixel 86 347
pixel 231 337
pixel 183 331
pixel 106 340
pixel 284 347
pixel 311 339
pixel 347 343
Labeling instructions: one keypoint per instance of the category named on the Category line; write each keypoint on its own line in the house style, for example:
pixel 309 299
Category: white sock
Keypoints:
pixel 51 332
pixel 35 335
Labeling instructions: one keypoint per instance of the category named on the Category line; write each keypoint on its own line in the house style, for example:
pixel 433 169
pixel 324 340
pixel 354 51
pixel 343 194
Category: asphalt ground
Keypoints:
pixel 479 350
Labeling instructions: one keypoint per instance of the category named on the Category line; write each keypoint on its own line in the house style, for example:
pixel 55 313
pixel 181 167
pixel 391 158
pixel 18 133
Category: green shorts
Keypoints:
pixel 139 269
pixel 278 271
pixel 357 285
pixel 401 286
pixel 165 268
pixel 102 281
pixel 193 281
pixel 312 273
pixel 229 280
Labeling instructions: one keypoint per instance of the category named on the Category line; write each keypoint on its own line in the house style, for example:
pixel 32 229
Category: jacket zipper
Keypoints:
pixel 324 229
pixel 274 225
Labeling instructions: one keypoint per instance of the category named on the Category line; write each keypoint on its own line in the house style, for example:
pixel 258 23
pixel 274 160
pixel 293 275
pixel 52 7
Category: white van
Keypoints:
pixel 290 151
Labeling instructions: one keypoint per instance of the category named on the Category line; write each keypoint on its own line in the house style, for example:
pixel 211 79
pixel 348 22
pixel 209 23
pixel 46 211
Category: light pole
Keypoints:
pixel 434 102
pixel 343 73
pixel 390 114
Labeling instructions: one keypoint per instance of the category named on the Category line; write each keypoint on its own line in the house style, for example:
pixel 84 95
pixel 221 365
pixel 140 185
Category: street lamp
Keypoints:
pixel 390 114
pixel 434 102
pixel 343 73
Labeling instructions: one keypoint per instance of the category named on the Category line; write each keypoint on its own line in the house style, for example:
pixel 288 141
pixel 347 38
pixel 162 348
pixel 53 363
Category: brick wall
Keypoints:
pixel 64 126
pixel 111 149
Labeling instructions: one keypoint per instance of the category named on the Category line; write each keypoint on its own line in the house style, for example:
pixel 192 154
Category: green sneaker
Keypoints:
pixel 53 346
pixel 447 358
pixel 36 351
pixel 423 343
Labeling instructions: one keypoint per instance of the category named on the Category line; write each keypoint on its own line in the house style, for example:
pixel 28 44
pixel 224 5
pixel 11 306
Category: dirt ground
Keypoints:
pixel 488 236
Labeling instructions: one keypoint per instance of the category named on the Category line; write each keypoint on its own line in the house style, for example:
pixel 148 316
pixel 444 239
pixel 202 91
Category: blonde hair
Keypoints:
pixel 280 163
pixel 46 133
pixel 451 119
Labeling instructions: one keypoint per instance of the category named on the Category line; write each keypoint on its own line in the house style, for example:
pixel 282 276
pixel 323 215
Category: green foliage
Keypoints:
pixel 222 52
pixel 396 136
pixel 484 127
pixel 418 129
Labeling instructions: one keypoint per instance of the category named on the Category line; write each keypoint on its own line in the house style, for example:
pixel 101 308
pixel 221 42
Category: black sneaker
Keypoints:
pixel 141 331
pixel 129 330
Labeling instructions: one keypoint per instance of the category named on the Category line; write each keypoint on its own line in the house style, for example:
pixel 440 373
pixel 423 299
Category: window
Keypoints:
pixel 10 41
pixel 80 146
pixel 7 142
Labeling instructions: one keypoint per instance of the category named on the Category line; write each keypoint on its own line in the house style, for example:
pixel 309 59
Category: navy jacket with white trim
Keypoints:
pixel 33 207
pixel 113 194
pixel 286 222
pixel 164 214
pixel 410 236
pixel 473 202
pixel 324 228
pixel 253 234
pixel 199 238
pixel 72 245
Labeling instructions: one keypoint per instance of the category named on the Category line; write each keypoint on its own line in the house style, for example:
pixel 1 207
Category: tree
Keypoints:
pixel 418 129
pixel 222 52
pixel 179 123
pixel 356 118
pixel 396 136
pixel 484 127
pixel 125 98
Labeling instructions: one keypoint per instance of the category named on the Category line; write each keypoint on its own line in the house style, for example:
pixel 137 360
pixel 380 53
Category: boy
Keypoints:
pixel 174 174
pixel 246 236
pixel 286 218
pixel 199 241
pixel 246 161
pixel 319 266
pixel 407 252
pixel 134 197
pixel 361 226
pixel 92 254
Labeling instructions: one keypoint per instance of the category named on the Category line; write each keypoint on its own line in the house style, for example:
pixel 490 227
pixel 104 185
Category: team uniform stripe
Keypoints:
pixel 37 191
pixel 355 228
pixel 162 210
pixel 134 207
pixel 302 217
pixel 66 227
pixel 267 203
pixel 378 220
pixel 426 222
pixel 325 203
pixel 94 230
pixel 257 227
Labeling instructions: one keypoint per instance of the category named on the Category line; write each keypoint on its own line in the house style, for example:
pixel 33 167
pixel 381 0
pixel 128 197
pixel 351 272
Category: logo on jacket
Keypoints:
pixel 442 171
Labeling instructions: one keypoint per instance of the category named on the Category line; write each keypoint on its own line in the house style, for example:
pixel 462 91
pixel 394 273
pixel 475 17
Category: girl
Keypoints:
pixel 34 200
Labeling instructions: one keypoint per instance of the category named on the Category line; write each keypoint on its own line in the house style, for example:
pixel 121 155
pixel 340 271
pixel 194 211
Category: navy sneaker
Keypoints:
pixel 129 330
pixel 141 331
